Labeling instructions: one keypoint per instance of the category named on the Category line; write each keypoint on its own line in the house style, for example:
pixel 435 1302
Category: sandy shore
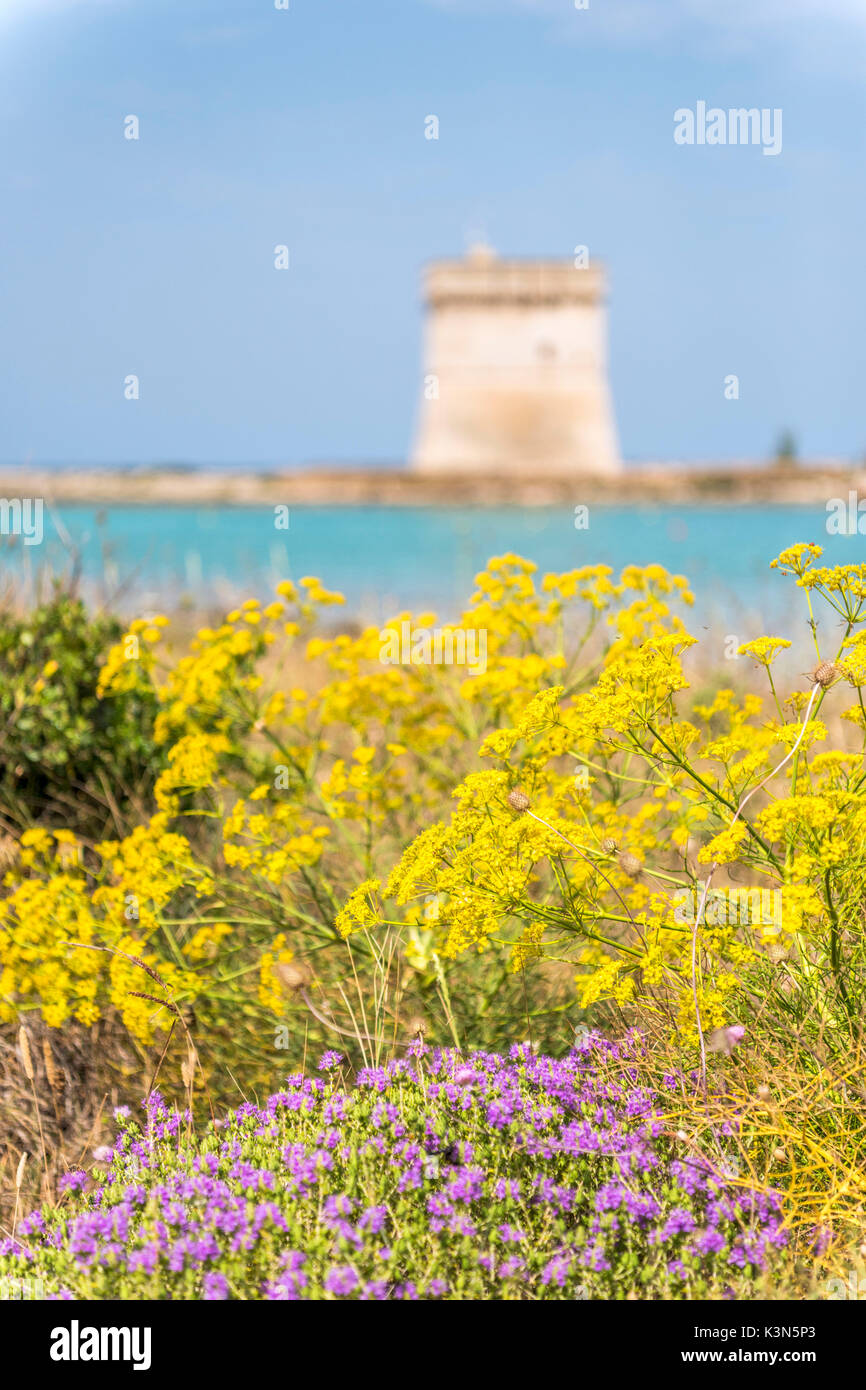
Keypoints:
pixel 671 485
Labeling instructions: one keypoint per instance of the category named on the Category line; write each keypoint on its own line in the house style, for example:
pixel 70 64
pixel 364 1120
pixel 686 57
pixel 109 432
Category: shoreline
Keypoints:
pixel 794 484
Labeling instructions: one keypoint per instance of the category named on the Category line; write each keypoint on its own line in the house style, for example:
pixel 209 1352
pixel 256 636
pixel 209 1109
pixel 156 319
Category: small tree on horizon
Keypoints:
pixel 786 449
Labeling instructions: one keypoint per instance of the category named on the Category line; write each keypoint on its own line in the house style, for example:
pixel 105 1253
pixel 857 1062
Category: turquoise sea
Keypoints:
pixel 385 559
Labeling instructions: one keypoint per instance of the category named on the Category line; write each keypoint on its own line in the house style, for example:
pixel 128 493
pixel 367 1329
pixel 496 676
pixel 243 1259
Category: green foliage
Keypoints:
pixel 67 757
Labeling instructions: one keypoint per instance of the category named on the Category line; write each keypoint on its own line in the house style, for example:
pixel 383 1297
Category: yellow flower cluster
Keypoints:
pixel 132 660
pixel 270 989
pixel 624 805
pixel 272 841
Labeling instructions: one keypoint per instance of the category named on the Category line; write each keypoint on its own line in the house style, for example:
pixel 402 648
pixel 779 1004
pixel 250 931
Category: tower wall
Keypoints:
pixel 515 369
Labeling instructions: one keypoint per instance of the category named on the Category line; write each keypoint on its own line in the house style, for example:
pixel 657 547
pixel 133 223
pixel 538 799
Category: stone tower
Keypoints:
pixel 515 374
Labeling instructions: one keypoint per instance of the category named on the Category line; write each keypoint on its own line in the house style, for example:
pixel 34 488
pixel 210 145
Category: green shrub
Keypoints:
pixel 68 757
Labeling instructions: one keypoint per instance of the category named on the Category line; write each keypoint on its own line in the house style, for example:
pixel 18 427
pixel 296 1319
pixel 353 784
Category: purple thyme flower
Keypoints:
pixel 330 1060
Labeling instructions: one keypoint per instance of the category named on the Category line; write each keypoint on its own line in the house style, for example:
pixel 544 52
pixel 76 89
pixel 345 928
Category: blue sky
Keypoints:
pixel 261 127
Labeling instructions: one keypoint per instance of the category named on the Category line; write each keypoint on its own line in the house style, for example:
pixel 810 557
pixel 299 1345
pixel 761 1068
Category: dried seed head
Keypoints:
pixel 609 845
pixel 55 1079
pixel 24 1049
pixel 148 970
pixel 779 1155
pixel 518 800
pixel 189 1064
pixel 293 974
pixel 630 864
pixel 682 1136
pixel 415 1026
pixel 776 952
pixel 763 1092
pixel 824 674
pixel 8 851
pixel 163 1003
pixel 19 1176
